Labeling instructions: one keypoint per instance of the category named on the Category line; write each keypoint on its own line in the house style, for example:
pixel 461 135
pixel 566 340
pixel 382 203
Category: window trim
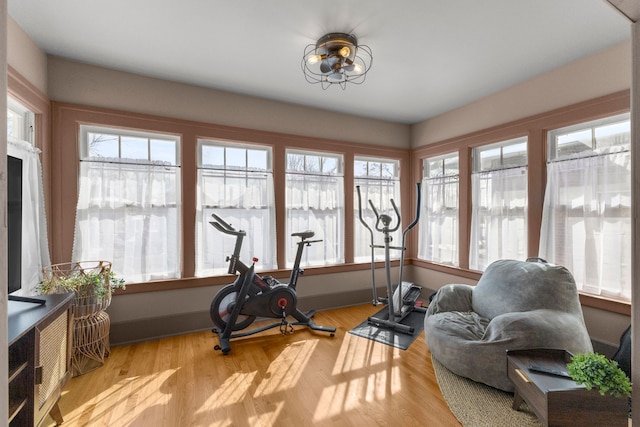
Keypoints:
pixel 123 132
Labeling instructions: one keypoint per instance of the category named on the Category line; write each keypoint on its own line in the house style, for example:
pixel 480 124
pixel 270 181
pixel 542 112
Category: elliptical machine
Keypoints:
pixel 401 301
pixel 236 306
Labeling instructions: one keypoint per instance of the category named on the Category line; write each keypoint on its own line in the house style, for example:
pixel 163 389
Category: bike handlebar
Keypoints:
pixel 224 227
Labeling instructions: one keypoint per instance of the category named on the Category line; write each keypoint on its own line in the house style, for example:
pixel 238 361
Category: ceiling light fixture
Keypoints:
pixel 336 58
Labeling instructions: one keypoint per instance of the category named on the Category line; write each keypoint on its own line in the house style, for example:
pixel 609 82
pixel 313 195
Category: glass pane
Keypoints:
pixel 574 143
pixel 163 150
pixel 388 170
pixel 15 124
pixel 257 160
pixel 451 166
pixel 103 145
pixel 374 169
pixel 134 148
pixel 433 168
pixel 295 162
pixel 359 168
pixel 312 163
pixel 330 165
pixel 514 155
pixel 613 135
pixel 212 156
pixel 490 159
pixel 236 158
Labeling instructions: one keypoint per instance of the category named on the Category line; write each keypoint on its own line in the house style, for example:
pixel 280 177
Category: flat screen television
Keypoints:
pixel 14 231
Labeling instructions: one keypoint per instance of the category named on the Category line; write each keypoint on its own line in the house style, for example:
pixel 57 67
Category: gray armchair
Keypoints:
pixel 515 305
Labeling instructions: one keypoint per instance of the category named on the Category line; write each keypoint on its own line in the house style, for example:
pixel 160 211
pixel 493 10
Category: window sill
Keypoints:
pixel 587 300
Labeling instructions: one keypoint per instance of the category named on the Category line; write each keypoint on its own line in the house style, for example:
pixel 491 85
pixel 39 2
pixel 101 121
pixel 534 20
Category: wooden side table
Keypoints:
pixel 560 401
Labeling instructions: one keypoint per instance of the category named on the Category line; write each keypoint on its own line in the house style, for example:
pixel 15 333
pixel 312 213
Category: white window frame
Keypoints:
pixel 250 208
pixel 498 223
pixel 588 230
pixel 20 119
pixel 327 221
pixel 438 240
pixel 380 188
pixel 132 239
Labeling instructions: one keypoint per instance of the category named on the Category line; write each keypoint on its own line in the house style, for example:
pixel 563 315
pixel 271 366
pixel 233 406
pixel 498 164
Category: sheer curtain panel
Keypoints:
pixel 499 216
pixel 128 213
pixel 586 221
pixel 246 201
pixel 35 242
pixel 438 239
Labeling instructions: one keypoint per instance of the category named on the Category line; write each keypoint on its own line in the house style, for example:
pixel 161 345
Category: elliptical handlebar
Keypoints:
pixel 360 213
pixel 418 202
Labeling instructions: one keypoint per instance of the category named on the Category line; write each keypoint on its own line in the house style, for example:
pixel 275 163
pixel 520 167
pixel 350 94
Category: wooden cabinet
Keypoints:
pixel 557 400
pixel 39 358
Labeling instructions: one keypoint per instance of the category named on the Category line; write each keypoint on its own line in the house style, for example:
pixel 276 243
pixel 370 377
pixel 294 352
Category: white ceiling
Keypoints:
pixel 430 56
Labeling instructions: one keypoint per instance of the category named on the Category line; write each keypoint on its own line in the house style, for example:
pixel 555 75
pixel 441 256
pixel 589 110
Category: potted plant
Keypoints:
pixel 596 371
pixel 92 282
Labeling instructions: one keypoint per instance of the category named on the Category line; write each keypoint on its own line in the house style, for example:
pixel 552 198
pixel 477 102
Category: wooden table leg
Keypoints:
pixel 56 414
pixel 517 400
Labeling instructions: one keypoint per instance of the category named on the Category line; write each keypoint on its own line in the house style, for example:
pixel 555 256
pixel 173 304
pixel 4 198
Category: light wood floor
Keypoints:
pixel 303 379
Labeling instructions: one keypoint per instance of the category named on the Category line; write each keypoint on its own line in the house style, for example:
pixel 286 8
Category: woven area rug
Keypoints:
pixel 478 405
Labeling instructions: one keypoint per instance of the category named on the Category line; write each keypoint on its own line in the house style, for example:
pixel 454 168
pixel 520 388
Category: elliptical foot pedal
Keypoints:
pixel 412 295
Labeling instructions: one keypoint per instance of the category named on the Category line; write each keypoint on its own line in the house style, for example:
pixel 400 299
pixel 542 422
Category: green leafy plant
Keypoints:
pixel 95 281
pixel 596 371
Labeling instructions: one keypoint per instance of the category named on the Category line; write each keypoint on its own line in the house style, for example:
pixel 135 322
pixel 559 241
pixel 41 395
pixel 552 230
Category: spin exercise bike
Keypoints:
pixel 401 301
pixel 236 306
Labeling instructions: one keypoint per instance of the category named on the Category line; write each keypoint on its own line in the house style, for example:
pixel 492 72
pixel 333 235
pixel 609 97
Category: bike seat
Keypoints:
pixel 304 234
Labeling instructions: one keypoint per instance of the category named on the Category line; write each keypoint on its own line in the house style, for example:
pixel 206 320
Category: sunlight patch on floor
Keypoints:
pixel 358 353
pixel 267 418
pixel 285 371
pixel 350 395
pixel 232 391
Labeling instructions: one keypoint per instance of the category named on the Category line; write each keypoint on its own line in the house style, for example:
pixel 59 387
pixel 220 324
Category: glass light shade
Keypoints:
pixel 314 59
pixel 345 51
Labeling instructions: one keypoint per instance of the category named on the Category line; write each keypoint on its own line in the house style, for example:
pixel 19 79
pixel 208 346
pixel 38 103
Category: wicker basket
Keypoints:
pixel 91 323
pixel 90 299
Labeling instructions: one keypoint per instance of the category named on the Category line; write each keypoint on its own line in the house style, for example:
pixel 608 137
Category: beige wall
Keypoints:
pixel 25 57
pixel 603 73
pixel 78 83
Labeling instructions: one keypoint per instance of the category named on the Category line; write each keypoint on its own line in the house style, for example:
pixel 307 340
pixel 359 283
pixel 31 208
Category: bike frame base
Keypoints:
pixel 226 335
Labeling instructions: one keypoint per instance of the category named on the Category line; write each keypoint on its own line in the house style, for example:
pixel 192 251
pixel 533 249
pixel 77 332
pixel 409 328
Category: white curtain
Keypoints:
pixel 438 239
pixel 246 201
pixel 586 221
pixel 129 214
pixel 499 216
pixel 35 243
pixel 316 202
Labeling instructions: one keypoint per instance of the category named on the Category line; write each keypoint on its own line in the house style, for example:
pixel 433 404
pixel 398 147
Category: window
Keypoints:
pixel 20 122
pixel 438 239
pixel 34 241
pixel 315 201
pixel 379 181
pixel 129 202
pixel 235 181
pixel 499 203
pixel 586 221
